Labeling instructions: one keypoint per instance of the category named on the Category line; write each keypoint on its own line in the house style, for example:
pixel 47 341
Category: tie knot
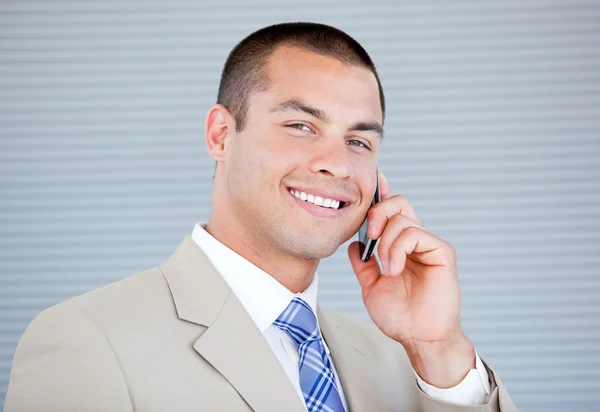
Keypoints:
pixel 299 321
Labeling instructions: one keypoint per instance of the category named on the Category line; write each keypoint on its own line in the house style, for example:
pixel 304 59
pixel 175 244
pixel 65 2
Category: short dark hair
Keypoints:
pixel 244 74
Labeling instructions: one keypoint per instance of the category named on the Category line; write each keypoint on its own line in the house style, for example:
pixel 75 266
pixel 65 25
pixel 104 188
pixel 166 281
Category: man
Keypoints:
pixel 230 321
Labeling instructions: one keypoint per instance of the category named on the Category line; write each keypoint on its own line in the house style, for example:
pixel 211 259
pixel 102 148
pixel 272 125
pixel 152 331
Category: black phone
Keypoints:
pixel 366 245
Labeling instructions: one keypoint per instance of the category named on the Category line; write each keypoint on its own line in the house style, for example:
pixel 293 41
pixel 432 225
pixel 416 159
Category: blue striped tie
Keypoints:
pixel 317 379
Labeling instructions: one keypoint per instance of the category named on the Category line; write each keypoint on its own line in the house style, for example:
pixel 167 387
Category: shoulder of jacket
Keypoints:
pixel 129 289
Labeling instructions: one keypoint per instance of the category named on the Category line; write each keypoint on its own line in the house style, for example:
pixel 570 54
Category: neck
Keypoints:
pixel 291 271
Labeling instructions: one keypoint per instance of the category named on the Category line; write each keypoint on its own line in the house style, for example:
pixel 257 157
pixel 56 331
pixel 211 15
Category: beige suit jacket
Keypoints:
pixel 175 338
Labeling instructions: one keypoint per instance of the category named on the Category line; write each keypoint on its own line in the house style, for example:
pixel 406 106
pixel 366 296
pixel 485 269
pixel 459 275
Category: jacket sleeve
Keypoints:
pixel 499 399
pixel 65 363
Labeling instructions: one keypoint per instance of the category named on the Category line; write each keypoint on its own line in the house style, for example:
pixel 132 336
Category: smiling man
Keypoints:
pixel 230 320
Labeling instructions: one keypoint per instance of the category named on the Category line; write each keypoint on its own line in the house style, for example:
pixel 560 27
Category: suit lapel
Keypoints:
pixel 353 362
pixel 238 350
pixel 232 344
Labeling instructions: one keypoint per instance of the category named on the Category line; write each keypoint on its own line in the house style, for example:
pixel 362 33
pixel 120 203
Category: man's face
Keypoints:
pixel 315 130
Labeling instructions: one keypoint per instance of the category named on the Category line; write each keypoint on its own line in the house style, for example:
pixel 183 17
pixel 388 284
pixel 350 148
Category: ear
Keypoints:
pixel 219 125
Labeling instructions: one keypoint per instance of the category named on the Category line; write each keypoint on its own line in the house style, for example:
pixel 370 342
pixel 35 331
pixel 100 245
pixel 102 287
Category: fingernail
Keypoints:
pixel 392 268
pixel 385 267
pixel 371 229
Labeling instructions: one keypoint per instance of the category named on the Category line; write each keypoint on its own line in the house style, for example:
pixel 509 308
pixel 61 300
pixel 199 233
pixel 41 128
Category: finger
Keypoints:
pixel 384 187
pixel 420 245
pixel 394 226
pixel 380 213
pixel 367 272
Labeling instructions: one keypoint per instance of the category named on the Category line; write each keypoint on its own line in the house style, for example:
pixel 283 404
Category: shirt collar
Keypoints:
pixel 263 297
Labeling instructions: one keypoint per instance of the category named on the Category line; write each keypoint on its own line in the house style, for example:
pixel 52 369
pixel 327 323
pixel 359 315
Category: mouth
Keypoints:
pixel 319 199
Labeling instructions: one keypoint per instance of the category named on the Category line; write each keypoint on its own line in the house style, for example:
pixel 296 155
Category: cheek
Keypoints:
pixel 265 156
pixel 282 152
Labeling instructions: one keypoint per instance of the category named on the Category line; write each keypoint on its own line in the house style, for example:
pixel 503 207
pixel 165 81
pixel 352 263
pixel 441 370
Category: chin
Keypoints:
pixel 311 249
pixel 309 243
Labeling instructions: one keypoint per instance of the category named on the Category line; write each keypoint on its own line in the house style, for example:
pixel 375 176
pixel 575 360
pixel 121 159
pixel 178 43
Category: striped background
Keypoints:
pixel 492 134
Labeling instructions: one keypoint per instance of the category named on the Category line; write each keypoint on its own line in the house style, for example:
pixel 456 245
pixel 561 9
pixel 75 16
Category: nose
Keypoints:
pixel 331 157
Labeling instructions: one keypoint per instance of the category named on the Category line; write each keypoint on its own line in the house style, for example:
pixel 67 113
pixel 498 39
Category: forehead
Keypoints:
pixel 340 89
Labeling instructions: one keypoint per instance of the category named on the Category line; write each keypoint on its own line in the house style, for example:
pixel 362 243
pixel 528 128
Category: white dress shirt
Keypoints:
pixel 264 298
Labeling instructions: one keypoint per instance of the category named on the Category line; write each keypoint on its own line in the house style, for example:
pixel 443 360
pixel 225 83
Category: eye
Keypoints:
pixel 300 126
pixel 358 143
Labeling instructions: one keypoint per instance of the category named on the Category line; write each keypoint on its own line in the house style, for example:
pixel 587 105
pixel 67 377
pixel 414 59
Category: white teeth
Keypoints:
pixel 317 200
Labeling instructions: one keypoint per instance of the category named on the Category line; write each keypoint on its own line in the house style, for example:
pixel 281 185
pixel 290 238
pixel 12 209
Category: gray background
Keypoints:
pixel 492 134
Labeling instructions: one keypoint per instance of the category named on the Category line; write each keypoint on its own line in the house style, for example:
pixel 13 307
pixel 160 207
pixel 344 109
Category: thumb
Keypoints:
pixel 367 272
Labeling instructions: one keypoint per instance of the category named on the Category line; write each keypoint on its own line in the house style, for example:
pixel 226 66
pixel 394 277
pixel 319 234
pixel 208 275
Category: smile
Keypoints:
pixel 317 200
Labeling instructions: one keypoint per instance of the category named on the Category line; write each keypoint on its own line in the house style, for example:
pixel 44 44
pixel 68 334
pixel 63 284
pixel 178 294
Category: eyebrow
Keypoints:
pixel 299 106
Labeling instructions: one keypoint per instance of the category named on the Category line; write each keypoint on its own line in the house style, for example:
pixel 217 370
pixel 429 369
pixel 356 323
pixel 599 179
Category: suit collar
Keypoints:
pixel 198 290
pixel 232 343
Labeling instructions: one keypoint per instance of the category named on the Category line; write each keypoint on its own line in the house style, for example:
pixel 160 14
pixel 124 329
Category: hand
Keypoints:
pixel 415 300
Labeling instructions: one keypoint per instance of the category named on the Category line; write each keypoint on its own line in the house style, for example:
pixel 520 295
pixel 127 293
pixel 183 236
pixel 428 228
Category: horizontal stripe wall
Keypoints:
pixel 492 133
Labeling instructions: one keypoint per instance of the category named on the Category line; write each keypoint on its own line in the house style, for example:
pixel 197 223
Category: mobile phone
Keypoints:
pixel 366 245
